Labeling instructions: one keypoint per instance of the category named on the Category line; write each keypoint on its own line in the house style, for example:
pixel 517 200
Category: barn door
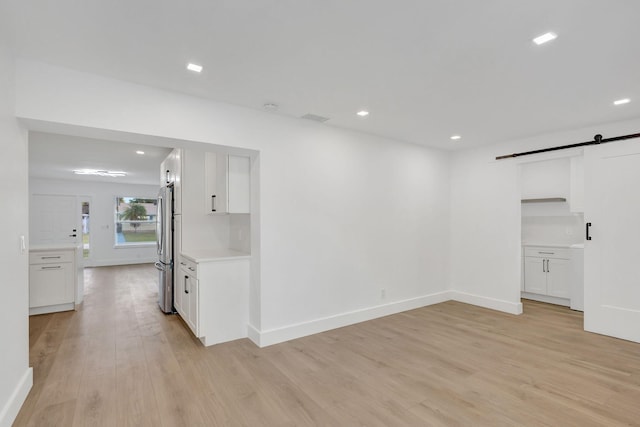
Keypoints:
pixel 612 256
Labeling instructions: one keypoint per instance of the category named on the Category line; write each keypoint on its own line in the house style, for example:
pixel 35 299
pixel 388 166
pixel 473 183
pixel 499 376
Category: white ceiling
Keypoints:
pixel 55 156
pixel 425 69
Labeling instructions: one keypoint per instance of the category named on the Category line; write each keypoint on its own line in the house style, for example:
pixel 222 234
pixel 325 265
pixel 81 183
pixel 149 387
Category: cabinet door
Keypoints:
pixel 559 278
pixel 51 284
pixel 239 188
pixel 191 294
pixel 215 173
pixel 535 276
pixel 178 291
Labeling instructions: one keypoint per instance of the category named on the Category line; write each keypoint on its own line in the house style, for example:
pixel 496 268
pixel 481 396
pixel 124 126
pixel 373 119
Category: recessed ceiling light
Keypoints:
pixel 99 172
pixel 194 67
pixel 140 152
pixel 363 113
pixel 546 37
pixel 455 137
pixel 622 101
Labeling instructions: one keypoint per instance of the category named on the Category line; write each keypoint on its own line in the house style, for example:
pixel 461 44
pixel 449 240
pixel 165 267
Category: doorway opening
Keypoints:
pixel 552 224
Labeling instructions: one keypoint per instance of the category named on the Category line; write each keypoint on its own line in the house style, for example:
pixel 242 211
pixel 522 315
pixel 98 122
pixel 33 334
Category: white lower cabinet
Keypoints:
pixel 535 275
pixel 185 298
pixel 558 278
pixel 52 280
pixel 547 271
pixel 190 303
pixel 212 297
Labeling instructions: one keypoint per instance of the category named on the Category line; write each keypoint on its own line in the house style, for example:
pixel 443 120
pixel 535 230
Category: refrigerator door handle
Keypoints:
pixel 160 227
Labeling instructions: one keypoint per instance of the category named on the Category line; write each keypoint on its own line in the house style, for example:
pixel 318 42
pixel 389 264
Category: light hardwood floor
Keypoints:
pixel 120 362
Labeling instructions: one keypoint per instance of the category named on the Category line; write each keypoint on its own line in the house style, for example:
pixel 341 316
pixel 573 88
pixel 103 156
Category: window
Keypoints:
pixel 86 236
pixel 135 221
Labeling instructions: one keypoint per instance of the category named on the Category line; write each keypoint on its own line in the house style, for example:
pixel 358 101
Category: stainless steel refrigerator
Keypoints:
pixel 164 243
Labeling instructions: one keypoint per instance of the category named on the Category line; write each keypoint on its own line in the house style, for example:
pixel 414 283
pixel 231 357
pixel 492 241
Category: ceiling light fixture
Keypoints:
pixel 140 152
pixel 99 172
pixel 622 101
pixel 455 137
pixel 270 106
pixel 363 113
pixel 194 67
pixel 546 37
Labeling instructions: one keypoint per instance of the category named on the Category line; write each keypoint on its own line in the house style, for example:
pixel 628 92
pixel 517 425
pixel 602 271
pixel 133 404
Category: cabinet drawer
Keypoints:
pixel 50 284
pixel 189 266
pixel 546 252
pixel 53 257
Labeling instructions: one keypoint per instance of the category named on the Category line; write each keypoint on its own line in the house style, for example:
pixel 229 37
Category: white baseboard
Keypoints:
pixel 112 262
pixel 253 334
pixel 278 335
pixel 12 406
pixel 486 302
pixel 52 308
pixel 546 298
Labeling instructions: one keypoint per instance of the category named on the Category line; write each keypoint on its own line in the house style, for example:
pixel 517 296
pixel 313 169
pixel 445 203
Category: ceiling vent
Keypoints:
pixel 315 118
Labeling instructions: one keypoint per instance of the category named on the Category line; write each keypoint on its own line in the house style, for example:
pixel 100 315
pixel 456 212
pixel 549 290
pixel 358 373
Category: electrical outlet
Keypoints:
pixel 383 293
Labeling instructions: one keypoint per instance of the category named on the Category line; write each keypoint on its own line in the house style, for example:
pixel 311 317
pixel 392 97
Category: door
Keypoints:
pixel 612 206
pixel 164 226
pixel 85 226
pixel 53 219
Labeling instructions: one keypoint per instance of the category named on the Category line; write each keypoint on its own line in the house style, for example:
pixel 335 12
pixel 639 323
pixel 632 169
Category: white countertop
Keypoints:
pixel 208 255
pixel 53 246
pixel 556 245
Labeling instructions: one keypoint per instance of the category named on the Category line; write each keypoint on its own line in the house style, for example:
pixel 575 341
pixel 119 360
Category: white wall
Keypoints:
pixel 15 375
pixel 239 232
pixel 559 230
pixel 545 179
pixel 343 214
pixel 485 220
pixel 102 194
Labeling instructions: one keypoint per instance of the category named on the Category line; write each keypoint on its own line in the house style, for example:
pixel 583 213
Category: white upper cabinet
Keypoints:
pixel 215 183
pixel 227 183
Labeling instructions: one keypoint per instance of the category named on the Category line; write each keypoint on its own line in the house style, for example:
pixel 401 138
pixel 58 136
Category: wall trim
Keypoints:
pixel 253 334
pixel 277 335
pixel 112 262
pixel 547 298
pixel 12 407
pixel 486 302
